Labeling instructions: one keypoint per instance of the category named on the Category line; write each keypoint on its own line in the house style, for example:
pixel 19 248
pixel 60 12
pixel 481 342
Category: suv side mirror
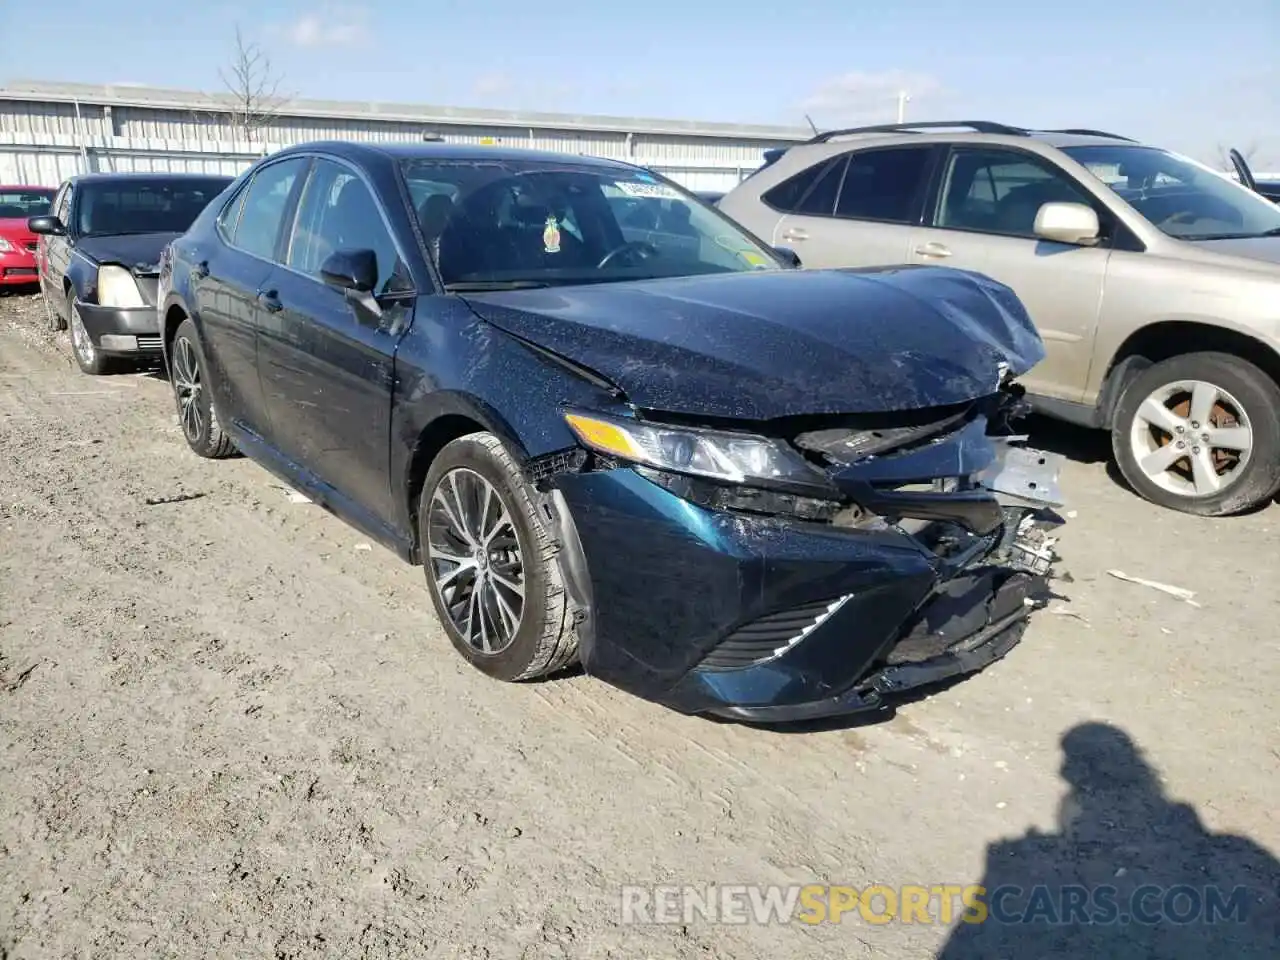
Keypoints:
pixel 48 226
pixel 1074 223
pixel 354 270
pixel 789 256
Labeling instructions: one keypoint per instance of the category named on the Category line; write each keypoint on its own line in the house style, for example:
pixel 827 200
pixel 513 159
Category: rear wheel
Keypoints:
pixel 1200 434
pixel 491 567
pixel 188 374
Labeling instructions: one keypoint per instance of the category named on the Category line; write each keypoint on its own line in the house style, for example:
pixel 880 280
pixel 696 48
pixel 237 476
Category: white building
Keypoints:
pixel 49 131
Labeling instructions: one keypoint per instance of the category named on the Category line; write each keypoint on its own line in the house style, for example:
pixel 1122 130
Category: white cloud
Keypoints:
pixel 860 97
pixel 329 27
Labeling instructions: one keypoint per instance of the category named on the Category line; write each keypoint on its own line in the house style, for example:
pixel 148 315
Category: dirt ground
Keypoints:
pixel 230 728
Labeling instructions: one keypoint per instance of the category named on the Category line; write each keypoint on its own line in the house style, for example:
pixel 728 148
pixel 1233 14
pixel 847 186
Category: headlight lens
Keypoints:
pixel 5 246
pixel 117 288
pixel 728 457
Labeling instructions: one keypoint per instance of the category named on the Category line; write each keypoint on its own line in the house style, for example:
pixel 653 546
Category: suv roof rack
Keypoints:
pixel 978 126
pixel 1085 132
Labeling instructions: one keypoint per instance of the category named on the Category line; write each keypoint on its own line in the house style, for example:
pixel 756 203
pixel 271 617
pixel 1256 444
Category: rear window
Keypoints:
pixel 19 204
pixel 115 207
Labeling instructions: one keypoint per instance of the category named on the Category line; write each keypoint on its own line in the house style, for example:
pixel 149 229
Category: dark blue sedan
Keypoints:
pixel 712 479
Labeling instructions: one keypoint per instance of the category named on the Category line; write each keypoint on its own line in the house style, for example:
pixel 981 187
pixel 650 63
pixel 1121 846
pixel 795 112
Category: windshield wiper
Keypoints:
pixel 479 286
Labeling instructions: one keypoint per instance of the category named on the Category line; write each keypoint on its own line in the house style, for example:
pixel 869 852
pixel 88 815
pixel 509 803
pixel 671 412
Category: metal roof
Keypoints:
pixel 158 98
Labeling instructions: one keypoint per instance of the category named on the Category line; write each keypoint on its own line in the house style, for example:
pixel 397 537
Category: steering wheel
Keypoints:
pixel 645 250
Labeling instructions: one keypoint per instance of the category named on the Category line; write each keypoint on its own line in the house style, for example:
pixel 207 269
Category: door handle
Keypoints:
pixel 270 301
pixel 933 249
pixel 795 233
pixel 200 270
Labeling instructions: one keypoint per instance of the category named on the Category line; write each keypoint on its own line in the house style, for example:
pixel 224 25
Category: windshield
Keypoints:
pixel 495 223
pixel 1180 197
pixel 20 204
pixel 115 207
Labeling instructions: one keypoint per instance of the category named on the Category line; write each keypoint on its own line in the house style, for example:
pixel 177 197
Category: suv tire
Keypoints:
pixel 1207 480
pixel 504 592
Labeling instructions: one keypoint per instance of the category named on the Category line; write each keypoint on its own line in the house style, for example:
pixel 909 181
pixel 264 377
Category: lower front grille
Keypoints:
pixel 770 635
pixel 148 343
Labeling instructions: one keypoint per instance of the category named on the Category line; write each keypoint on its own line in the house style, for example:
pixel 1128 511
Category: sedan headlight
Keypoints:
pixel 117 288
pixel 728 457
pixel 5 246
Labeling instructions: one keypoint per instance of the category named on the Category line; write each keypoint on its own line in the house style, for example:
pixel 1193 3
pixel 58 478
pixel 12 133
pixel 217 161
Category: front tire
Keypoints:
pixel 88 357
pixel 1200 433
pixel 189 377
pixel 490 565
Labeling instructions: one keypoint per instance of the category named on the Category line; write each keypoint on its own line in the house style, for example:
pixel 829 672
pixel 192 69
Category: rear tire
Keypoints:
pixel 502 589
pixel 189 377
pixel 1229 459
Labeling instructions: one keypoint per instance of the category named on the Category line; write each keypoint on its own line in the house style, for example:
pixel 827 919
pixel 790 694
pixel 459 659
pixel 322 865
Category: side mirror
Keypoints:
pixel 353 270
pixel 1067 223
pixel 790 256
pixel 48 226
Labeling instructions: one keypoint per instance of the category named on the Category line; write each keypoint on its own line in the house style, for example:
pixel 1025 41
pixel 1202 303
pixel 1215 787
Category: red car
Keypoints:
pixel 17 243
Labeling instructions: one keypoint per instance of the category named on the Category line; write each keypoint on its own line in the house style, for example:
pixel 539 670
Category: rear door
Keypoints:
pixel 54 253
pixel 859 211
pixel 326 358
pixel 227 279
pixel 982 216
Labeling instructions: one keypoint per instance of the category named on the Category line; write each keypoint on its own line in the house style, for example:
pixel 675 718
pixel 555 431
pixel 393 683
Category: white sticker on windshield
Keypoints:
pixel 656 191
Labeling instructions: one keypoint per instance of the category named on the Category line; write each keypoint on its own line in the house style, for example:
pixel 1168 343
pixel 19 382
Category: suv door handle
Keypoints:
pixel 933 249
pixel 795 233
pixel 270 301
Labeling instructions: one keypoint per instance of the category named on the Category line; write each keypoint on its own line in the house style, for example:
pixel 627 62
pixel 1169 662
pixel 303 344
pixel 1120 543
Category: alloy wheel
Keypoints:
pixel 80 340
pixel 1191 438
pixel 187 386
pixel 477 567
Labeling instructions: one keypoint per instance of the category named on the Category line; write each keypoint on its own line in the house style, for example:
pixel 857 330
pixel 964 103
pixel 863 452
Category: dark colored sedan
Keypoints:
pixel 97 259
pixel 716 481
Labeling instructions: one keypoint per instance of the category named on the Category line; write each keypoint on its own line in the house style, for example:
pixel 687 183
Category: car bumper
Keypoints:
pixel 18 268
pixel 131 331
pixel 769 619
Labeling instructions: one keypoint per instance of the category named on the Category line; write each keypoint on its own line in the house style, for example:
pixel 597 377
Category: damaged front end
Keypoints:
pixel 809 570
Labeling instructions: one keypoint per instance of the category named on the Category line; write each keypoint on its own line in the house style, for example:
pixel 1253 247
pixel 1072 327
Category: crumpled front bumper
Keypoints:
pixel 773 619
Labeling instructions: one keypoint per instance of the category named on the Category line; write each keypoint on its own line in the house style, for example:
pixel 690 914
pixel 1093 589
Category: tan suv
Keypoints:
pixel 1154 280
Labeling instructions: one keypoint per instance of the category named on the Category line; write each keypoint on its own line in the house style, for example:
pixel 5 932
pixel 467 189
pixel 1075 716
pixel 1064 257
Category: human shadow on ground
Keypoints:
pixel 1129 874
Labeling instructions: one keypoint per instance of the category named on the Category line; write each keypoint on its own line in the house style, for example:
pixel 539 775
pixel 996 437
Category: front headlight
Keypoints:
pixel 117 288
pixel 729 457
pixel 5 246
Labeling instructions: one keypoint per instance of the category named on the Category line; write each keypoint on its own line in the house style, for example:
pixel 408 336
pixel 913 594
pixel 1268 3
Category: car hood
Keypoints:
pixel 135 250
pixel 770 344
pixel 15 228
pixel 1266 249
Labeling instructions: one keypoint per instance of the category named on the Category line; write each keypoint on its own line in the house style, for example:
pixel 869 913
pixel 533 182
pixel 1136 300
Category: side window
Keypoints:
pixel 62 207
pixel 264 205
pixel 337 212
pixel 884 185
pixel 230 215
pixel 1000 191
pixel 820 201
pixel 786 196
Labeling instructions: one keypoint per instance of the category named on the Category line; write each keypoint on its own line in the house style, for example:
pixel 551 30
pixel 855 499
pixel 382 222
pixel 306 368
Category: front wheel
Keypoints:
pixel 88 357
pixel 1199 433
pixel 490 565
pixel 189 376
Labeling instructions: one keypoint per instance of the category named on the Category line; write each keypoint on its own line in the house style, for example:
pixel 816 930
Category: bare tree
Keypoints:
pixel 255 89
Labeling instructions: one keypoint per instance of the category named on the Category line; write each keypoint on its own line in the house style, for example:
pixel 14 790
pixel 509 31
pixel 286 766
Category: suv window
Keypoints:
pixel 884 185
pixel 264 205
pixel 786 197
pixel 1000 191
pixel 337 212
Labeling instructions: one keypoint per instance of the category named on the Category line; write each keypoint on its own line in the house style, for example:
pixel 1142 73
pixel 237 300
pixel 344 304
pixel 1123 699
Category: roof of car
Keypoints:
pixel 25 186
pixel 970 131
pixel 82 178
pixel 433 150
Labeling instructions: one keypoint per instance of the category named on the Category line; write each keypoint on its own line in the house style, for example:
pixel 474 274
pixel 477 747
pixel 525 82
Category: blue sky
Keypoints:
pixel 1189 75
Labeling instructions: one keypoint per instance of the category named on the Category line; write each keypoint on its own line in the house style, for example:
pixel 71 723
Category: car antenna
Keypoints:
pixel 812 126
